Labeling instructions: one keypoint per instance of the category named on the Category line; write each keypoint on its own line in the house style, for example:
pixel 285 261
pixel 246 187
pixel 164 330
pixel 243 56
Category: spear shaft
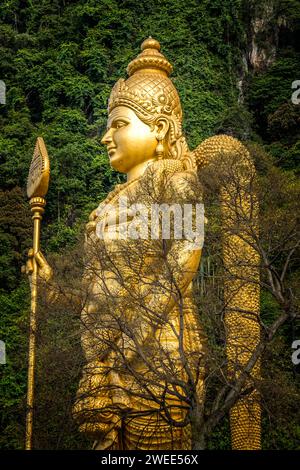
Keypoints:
pixel 37 208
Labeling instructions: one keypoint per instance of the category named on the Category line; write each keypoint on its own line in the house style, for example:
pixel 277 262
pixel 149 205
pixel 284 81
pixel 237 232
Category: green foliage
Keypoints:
pixel 236 121
pixel 281 414
pixel 220 438
pixel 15 234
pixel 13 374
pixel 276 117
pixel 269 308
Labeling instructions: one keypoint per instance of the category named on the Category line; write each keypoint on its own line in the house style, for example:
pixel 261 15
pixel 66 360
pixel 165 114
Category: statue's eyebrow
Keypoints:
pixel 116 118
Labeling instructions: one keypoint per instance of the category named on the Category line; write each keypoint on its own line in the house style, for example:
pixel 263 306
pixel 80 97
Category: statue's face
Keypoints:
pixel 129 140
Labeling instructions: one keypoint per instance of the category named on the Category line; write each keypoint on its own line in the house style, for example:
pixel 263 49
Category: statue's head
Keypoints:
pixel 145 115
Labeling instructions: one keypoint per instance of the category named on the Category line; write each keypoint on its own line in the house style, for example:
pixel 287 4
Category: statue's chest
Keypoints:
pixel 122 231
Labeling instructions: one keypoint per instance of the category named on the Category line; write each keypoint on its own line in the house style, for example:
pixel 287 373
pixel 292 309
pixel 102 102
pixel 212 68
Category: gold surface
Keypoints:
pixel 241 294
pixel 39 171
pixel 37 187
pixel 144 139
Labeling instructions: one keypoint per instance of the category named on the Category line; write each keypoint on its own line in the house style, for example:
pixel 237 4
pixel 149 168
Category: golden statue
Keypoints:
pixel 141 333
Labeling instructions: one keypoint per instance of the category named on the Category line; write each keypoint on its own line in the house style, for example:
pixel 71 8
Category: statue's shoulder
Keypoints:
pixel 169 170
pixel 173 180
pixel 221 146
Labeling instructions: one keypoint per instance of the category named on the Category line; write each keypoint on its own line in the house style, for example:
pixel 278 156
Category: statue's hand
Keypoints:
pixel 44 269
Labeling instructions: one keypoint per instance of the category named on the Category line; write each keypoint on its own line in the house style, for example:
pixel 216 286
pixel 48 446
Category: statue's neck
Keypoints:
pixel 138 170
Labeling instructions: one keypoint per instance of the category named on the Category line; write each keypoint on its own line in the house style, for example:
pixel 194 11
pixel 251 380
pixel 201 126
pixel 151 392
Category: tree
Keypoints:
pixel 176 383
pixel 276 243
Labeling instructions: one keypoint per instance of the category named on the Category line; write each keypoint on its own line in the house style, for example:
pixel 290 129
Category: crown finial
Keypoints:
pixel 150 43
pixel 150 59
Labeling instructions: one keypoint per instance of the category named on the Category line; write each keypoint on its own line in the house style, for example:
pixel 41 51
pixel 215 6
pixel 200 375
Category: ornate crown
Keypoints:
pixel 148 90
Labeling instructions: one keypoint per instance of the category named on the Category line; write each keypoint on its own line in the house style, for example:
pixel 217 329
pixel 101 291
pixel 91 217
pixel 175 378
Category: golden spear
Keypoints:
pixel 37 187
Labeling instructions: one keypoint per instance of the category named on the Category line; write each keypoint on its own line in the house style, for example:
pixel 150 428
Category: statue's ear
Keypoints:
pixel 161 127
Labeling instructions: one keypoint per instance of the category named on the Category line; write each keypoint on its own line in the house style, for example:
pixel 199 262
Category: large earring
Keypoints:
pixel 159 151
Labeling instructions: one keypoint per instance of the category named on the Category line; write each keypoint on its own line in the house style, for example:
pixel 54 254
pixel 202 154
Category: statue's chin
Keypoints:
pixel 118 166
pixel 116 162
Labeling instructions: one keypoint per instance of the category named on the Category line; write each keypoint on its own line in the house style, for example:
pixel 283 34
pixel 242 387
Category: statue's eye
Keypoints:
pixel 119 124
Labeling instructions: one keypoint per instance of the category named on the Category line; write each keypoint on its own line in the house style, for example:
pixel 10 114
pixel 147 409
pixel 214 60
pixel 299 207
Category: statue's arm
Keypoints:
pixel 161 296
pixel 167 289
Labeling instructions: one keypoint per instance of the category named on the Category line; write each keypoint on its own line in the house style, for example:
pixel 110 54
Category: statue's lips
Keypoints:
pixel 111 151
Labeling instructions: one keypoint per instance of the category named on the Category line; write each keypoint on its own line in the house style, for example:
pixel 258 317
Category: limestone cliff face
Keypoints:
pixel 263 36
pixel 265 25
pixel 268 25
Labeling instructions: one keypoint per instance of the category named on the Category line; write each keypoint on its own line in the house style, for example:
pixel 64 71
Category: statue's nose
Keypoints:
pixel 107 138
